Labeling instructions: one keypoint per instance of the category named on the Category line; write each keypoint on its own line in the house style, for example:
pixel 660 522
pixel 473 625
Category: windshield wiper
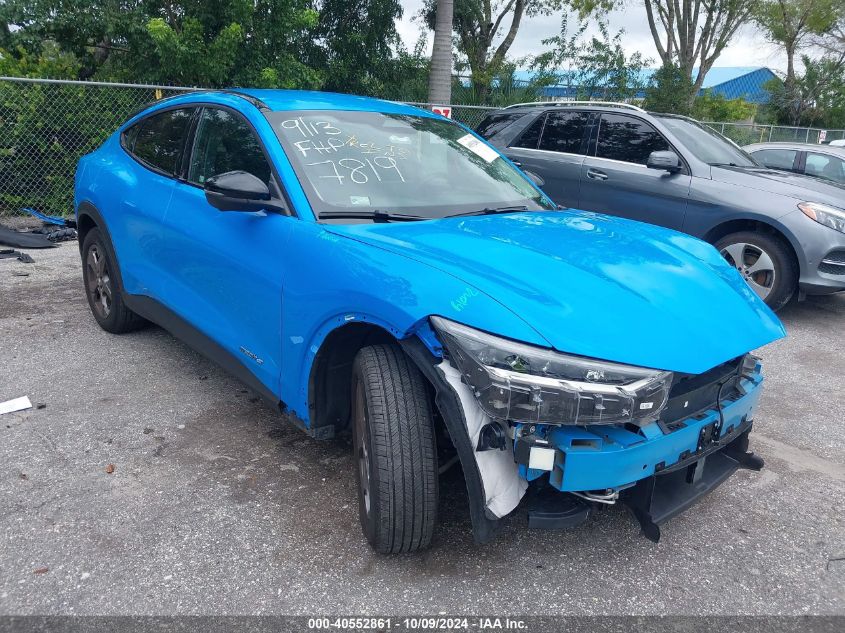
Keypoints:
pixel 491 211
pixel 377 215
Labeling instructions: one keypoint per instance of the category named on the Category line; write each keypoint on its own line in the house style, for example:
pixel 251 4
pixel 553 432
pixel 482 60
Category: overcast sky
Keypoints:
pixel 748 48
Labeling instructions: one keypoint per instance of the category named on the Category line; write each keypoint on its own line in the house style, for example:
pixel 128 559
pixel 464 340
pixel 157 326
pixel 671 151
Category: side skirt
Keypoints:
pixel 163 316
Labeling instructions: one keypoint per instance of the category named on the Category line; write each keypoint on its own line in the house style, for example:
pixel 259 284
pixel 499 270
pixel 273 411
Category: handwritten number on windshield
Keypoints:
pixel 357 169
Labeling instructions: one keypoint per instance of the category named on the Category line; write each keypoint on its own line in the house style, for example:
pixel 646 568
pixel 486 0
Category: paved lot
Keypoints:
pixel 216 505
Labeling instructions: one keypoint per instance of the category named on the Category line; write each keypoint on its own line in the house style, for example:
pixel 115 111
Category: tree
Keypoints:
pixel 691 34
pixel 817 96
pixel 440 77
pixel 596 68
pixel 669 90
pixel 791 22
pixel 716 107
pixel 356 40
pixel 478 25
pixel 339 44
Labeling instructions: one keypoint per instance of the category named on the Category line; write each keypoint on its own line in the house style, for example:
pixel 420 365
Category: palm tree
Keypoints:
pixel 440 76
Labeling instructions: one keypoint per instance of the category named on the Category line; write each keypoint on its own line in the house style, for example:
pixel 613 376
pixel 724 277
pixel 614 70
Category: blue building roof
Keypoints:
pixel 732 82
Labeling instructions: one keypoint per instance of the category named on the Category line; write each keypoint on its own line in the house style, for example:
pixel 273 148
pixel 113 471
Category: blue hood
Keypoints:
pixel 595 285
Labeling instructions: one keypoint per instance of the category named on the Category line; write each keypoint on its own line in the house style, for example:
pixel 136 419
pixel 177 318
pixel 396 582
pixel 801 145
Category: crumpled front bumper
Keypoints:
pixel 610 457
pixel 659 471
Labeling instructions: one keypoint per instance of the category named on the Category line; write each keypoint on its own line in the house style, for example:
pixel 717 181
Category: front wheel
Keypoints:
pixel 395 452
pixel 765 263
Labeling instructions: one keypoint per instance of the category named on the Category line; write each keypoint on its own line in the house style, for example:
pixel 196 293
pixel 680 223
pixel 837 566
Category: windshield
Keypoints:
pixel 707 145
pixel 371 162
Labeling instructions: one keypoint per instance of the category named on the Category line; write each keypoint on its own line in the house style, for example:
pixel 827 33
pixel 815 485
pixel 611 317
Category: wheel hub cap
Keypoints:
pixel 754 264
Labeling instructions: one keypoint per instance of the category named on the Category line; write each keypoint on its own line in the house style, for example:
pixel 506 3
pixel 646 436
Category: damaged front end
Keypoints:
pixel 602 432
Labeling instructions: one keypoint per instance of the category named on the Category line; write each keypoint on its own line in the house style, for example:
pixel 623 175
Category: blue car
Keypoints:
pixel 375 269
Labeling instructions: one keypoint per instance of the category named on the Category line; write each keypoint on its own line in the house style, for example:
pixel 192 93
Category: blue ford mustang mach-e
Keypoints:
pixel 371 267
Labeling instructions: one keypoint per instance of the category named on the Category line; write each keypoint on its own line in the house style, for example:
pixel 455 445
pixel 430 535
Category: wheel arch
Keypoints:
pixel 88 217
pixel 750 224
pixel 330 373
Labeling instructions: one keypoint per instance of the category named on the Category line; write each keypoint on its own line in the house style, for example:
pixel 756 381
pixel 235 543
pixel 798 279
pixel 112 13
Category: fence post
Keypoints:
pixel 723 128
pixel 807 139
pixel 771 131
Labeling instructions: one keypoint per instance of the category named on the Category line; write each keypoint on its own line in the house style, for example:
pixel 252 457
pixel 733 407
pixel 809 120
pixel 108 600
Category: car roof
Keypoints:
pixel 286 100
pixel 804 147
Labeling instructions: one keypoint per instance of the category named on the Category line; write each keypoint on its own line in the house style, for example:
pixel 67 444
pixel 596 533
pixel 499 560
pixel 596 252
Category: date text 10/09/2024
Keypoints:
pixel 439 623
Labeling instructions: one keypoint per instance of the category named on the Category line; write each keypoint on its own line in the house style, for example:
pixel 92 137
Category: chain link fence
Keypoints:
pixel 47 125
pixel 746 133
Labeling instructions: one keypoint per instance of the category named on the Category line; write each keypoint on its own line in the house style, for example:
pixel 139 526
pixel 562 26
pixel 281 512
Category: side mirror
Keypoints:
pixel 237 191
pixel 665 160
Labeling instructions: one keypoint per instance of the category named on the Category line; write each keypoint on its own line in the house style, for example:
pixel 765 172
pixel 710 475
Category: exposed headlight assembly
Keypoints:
pixel 515 381
pixel 824 214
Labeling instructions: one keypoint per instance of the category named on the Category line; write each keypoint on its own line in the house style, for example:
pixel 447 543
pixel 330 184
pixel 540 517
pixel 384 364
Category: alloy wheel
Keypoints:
pixel 99 281
pixel 754 264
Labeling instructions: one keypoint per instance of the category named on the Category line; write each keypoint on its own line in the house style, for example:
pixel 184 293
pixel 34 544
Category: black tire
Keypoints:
pixel 395 450
pixel 751 248
pixel 102 287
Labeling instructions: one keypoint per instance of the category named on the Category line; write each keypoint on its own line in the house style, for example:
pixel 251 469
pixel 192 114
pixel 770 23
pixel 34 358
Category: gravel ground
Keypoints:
pixel 218 506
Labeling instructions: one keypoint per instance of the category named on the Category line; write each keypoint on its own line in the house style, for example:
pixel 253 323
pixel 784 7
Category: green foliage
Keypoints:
pixel 668 91
pixel 358 39
pixel 46 128
pixel 716 107
pixel 817 98
pixel 598 67
pixel 485 30
pixel 337 44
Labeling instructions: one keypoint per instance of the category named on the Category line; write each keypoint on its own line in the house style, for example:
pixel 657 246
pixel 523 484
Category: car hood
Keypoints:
pixel 802 188
pixel 595 285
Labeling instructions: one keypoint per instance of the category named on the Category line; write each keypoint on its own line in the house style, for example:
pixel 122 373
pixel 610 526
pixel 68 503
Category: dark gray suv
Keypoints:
pixel 784 232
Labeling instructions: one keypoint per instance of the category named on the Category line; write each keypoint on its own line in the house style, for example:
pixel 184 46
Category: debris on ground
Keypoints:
pixel 41 570
pixel 16 404
pixel 109 469
pixel 19 239
pixel 10 253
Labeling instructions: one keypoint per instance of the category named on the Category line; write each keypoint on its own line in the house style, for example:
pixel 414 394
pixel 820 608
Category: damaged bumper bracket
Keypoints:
pixel 656 499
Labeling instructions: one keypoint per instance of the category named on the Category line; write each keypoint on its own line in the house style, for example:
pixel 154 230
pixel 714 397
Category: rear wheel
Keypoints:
pixel 765 263
pixel 395 452
pixel 105 296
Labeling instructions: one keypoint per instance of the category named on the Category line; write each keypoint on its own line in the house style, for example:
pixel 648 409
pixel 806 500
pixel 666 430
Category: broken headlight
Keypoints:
pixel 515 381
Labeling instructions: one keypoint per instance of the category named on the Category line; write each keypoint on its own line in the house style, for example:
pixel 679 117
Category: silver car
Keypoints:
pixel 820 161
pixel 783 231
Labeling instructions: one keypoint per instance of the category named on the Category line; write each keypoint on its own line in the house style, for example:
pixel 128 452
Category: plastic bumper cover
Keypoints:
pixel 612 458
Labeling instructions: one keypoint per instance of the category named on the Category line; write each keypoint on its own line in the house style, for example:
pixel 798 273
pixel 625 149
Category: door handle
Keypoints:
pixel 516 162
pixel 596 174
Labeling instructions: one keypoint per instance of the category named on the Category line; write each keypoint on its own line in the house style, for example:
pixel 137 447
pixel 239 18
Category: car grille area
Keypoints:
pixel 692 394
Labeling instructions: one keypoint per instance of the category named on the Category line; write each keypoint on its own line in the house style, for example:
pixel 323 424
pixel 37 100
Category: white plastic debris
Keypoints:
pixel 18 404
pixel 503 487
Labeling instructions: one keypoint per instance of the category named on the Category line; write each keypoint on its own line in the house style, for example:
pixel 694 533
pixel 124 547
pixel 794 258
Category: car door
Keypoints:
pixel 553 148
pixel 780 158
pixel 824 166
pixel 155 146
pixel 615 179
pixel 225 269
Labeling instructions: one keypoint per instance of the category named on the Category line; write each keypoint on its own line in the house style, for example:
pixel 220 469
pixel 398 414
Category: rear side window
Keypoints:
pixel 564 132
pixel 225 142
pixel 628 139
pixel 160 139
pixel 824 166
pixel 531 136
pixel 776 158
pixel 495 123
